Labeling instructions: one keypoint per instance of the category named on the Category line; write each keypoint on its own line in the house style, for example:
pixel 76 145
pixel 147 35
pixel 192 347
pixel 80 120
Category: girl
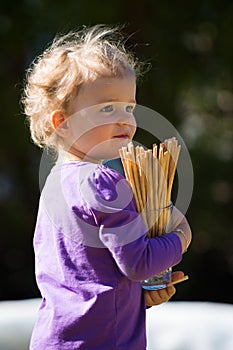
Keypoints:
pixel 90 243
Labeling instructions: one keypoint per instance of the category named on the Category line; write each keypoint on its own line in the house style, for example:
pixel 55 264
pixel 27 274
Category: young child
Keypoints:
pixel 91 248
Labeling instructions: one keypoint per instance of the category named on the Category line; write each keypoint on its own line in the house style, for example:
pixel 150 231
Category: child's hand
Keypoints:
pixel 178 221
pixel 156 297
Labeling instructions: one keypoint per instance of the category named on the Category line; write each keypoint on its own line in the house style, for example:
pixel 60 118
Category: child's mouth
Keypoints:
pixel 122 136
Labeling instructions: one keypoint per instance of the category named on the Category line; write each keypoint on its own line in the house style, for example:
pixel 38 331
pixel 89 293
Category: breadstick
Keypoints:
pixel 142 175
pixel 156 189
pixel 150 189
pixel 143 183
pixel 185 278
pixel 122 152
pixel 151 175
pixel 132 180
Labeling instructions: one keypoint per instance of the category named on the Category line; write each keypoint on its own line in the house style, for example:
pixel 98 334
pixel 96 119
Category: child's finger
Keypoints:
pixel 176 275
pixel 170 289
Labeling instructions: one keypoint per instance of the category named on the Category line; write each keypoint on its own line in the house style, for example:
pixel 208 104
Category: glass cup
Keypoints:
pixel 159 281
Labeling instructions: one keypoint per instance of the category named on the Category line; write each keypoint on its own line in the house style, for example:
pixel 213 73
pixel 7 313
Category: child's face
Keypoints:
pixel 103 121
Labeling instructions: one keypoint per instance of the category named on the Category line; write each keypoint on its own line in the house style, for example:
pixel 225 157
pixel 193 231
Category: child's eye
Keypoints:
pixel 107 109
pixel 129 109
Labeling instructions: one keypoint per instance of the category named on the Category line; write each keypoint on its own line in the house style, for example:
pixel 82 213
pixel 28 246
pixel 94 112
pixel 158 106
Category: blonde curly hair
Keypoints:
pixel 55 77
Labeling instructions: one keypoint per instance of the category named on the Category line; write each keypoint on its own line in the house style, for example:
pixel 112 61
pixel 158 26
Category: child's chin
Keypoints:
pixel 117 143
pixel 108 149
pixel 125 141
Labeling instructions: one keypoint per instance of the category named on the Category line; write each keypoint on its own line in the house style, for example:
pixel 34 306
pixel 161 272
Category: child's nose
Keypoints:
pixel 125 117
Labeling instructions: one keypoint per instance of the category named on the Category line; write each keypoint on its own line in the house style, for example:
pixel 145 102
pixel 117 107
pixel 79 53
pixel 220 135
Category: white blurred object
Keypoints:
pixel 170 326
pixel 190 326
pixel 16 322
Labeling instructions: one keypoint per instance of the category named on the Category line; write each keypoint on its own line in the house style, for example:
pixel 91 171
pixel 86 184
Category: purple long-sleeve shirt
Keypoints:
pixel 91 253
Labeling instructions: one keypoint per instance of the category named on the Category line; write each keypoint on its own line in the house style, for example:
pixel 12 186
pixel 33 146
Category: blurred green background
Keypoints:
pixel 190 47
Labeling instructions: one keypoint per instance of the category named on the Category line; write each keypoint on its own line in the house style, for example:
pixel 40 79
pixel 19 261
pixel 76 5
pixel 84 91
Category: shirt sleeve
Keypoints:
pixel 122 230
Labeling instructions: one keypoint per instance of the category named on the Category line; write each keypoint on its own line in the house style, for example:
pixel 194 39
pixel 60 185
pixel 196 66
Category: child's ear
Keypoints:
pixel 59 122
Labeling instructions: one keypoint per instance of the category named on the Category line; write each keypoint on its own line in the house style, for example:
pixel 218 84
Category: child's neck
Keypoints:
pixel 75 155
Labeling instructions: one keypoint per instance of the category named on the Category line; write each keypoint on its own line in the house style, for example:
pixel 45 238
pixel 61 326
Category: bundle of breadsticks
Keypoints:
pixel 151 174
